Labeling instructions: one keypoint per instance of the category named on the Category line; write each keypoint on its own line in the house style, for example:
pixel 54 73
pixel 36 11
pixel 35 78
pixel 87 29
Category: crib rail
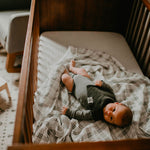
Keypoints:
pixel 142 144
pixel 138 34
pixel 24 114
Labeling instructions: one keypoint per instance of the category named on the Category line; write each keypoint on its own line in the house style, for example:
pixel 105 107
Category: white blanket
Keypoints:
pixel 130 88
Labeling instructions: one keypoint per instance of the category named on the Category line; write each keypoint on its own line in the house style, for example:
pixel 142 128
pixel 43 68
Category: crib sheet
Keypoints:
pixel 130 88
pixel 110 42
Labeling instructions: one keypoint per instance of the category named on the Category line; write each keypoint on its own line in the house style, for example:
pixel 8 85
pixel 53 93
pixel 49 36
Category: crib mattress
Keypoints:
pixel 109 42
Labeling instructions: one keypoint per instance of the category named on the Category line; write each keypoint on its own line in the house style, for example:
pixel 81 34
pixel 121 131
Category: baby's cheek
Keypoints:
pixel 106 117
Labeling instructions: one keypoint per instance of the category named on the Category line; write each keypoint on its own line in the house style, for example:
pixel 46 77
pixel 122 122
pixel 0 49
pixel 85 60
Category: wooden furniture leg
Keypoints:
pixel 7 90
pixel 11 61
pixel 3 85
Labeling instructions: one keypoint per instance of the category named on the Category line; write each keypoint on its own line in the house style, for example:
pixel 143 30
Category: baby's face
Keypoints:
pixel 113 113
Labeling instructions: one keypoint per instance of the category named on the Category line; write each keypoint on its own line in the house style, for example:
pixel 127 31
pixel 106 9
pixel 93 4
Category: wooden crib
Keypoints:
pixel 128 17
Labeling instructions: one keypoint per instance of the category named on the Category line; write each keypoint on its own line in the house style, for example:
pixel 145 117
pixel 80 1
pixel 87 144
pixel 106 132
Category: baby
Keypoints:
pixel 98 99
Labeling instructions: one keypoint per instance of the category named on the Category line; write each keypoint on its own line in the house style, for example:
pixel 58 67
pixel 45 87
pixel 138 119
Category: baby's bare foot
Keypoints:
pixel 72 64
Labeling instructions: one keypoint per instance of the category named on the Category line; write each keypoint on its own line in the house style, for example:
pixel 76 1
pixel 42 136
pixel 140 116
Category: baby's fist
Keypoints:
pixel 98 83
pixel 64 109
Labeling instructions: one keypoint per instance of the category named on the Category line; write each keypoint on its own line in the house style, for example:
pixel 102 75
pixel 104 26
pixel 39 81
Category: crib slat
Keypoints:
pixel 133 19
pixel 145 48
pixel 147 63
pixel 142 38
pixel 140 28
pixel 136 26
pixel 127 34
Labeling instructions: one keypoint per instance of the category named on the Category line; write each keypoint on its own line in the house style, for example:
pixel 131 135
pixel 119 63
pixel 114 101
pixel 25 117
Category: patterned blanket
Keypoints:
pixel 130 88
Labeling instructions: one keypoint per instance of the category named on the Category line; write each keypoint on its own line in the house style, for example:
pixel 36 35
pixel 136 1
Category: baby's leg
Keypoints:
pixel 67 81
pixel 76 70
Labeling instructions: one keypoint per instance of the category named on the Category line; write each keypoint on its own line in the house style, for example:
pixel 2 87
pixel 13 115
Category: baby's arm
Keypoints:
pixel 103 85
pixel 98 83
pixel 77 114
pixel 64 109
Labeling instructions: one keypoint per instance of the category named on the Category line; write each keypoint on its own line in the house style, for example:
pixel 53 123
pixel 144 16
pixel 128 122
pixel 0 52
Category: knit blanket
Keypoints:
pixel 131 89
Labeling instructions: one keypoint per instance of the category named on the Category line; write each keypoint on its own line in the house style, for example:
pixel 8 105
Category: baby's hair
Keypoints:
pixel 127 117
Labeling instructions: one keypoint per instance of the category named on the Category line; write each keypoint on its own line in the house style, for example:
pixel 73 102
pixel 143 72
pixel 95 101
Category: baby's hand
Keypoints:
pixel 64 109
pixel 98 83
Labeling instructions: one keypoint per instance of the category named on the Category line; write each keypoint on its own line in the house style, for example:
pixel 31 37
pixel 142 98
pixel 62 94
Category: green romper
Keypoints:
pixel 93 98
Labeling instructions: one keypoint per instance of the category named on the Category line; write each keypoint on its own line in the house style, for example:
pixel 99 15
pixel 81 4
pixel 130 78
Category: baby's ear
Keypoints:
pixel 117 103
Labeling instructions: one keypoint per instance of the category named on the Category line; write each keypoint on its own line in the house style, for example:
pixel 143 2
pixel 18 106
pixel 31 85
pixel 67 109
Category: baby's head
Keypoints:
pixel 117 114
